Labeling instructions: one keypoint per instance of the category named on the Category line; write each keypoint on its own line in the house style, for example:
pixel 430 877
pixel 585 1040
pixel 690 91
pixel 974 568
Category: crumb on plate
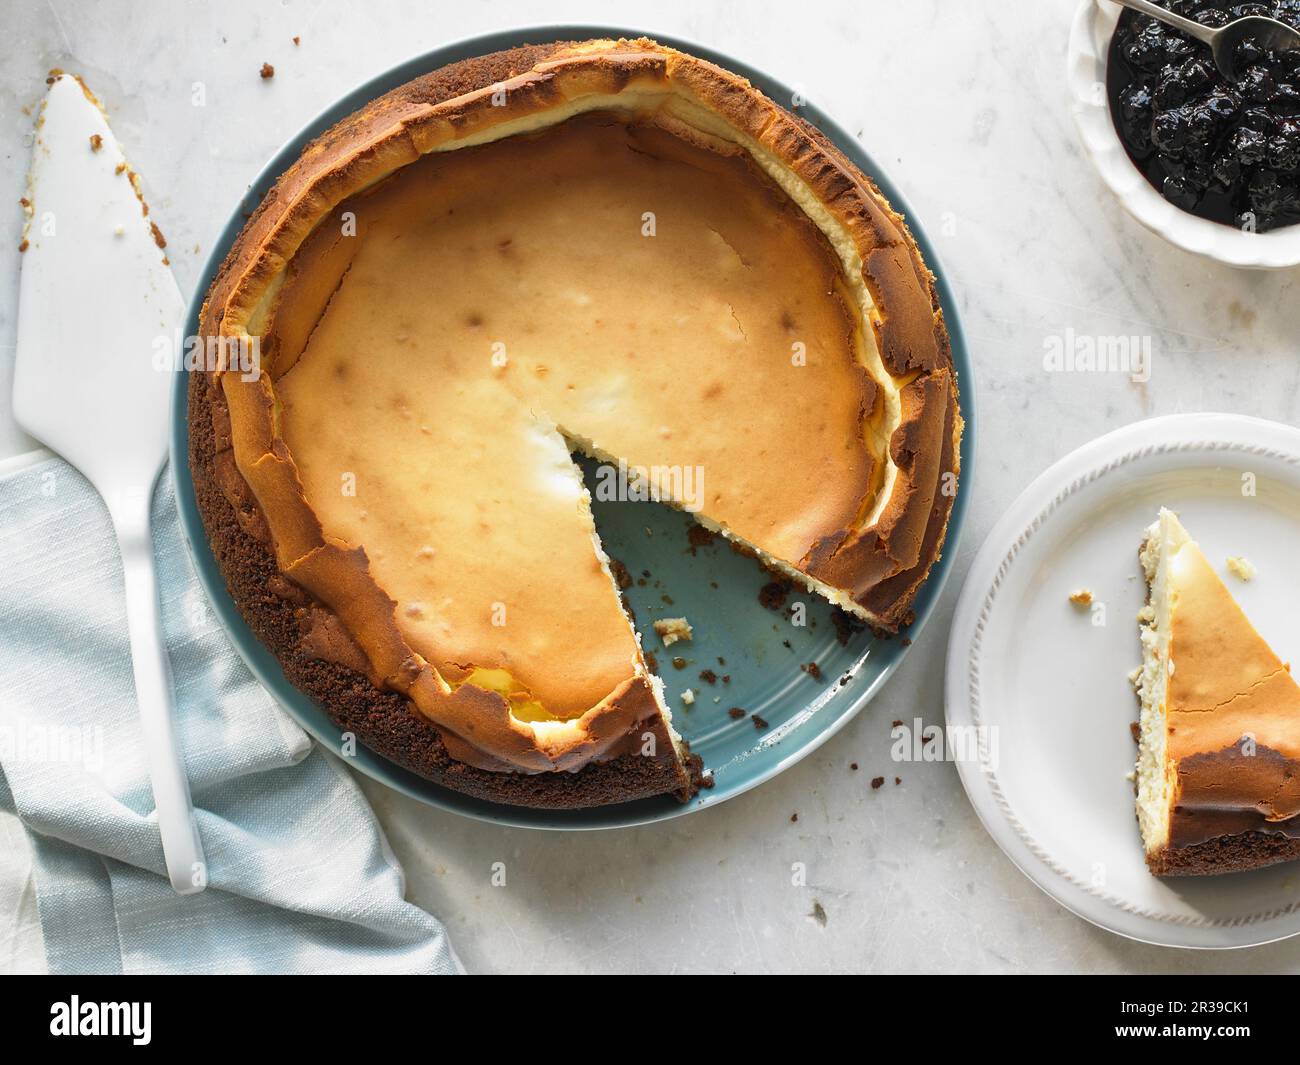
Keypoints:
pixel 671 630
pixel 1241 568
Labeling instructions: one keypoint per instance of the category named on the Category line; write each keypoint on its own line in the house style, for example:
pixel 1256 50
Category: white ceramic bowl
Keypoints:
pixel 1089 42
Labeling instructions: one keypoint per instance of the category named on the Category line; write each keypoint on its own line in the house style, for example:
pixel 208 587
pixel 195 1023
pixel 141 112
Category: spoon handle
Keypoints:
pixel 1192 29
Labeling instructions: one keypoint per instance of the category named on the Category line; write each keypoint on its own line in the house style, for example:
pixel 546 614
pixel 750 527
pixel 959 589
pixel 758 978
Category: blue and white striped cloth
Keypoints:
pixel 300 876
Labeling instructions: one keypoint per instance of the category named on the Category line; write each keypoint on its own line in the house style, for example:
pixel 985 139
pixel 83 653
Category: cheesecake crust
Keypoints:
pixel 343 617
pixel 1225 854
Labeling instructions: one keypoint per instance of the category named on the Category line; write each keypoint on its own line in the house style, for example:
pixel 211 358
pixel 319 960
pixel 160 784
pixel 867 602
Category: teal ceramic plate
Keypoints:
pixel 754 652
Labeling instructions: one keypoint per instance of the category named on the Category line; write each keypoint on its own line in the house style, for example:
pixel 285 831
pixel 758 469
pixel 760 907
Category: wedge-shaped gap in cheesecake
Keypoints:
pixel 684 488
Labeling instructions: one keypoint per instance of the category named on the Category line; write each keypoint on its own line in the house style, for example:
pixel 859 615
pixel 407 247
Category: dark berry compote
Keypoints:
pixel 1223 151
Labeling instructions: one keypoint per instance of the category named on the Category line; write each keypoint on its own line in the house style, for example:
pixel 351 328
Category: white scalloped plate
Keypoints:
pixel 1090 35
pixel 1047 688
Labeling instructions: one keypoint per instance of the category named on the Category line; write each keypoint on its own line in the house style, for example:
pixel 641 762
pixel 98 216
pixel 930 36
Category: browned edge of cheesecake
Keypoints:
pixel 883 566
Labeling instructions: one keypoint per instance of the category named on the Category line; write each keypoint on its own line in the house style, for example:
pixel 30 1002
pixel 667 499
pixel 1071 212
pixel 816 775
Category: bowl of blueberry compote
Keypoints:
pixel 1213 165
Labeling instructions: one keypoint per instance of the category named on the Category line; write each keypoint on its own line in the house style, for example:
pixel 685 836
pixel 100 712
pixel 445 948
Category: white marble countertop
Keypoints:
pixel 965 103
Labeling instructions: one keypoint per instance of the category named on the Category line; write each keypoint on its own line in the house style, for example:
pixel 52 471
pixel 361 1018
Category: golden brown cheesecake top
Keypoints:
pixel 422 413
pixel 1233 713
pixel 624 243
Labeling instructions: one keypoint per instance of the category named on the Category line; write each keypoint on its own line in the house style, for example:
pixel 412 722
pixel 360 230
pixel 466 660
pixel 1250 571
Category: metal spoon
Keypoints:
pixel 1269 33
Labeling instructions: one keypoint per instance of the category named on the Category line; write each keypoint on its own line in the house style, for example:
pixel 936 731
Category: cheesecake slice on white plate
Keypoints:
pixel 1218 772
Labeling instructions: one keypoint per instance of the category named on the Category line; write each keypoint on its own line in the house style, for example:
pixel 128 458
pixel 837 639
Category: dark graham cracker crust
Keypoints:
pixel 1225 854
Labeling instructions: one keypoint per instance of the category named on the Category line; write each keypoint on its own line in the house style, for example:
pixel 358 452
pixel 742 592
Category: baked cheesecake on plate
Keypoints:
pixel 1041 714
pixel 607 248
pixel 1218 771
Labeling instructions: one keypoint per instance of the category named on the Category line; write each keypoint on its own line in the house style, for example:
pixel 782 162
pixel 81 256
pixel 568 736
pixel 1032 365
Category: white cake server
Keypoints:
pixel 96 299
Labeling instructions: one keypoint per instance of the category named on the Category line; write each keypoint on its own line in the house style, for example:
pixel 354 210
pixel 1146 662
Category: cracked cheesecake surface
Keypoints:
pixel 475 312
pixel 604 246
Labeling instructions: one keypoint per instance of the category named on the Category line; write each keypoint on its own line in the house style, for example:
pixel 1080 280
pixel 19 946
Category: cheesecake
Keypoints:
pixel 1218 771
pixel 601 248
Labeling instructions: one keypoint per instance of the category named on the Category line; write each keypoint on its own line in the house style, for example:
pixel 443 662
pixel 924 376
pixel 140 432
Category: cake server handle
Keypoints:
pixel 182 848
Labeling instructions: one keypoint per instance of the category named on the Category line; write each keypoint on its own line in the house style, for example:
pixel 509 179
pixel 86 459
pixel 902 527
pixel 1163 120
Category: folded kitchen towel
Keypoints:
pixel 300 876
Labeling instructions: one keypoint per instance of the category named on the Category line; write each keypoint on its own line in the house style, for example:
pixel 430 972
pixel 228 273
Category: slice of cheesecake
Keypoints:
pixel 1218 772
